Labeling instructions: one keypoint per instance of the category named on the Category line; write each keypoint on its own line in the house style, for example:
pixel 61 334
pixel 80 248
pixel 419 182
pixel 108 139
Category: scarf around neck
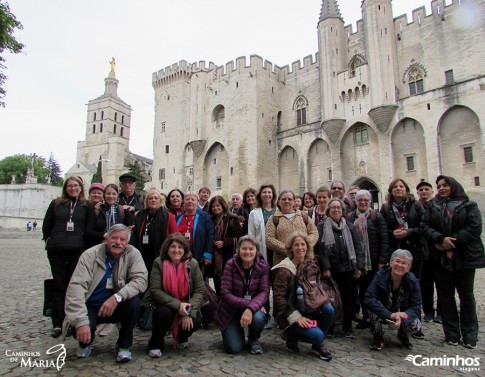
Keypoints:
pixel 328 238
pixel 360 224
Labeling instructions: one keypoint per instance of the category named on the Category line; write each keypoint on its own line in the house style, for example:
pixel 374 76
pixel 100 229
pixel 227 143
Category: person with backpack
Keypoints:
pixel 299 314
pixel 286 221
pixel 372 232
pixel 340 256
pixel 453 224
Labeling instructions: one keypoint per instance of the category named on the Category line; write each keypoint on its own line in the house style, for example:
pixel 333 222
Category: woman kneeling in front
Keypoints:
pixel 308 327
pixel 394 297
pixel 177 292
pixel 244 292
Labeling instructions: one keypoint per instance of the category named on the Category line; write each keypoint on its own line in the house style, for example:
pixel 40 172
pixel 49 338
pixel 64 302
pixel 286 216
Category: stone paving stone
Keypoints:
pixel 24 266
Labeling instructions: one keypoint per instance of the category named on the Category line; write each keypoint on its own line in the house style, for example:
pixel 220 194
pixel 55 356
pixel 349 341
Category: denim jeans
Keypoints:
pixel 315 335
pixel 126 312
pixel 233 335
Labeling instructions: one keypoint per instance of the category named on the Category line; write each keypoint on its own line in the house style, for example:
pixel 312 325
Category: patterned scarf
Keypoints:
pixel 361 227
pixel 328 238
pixel 176 283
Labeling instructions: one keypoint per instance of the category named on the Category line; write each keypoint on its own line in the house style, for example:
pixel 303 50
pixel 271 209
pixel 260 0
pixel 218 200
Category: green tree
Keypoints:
pixel 8 24
pixel 98 176
pixel 135 169
pixel 17 166
pixel 53 173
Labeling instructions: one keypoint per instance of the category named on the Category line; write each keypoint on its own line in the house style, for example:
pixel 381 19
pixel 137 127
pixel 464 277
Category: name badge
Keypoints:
pixel 109 283
pixel 187 235
pixel 247 297
pixel 70 226
pixel 145 239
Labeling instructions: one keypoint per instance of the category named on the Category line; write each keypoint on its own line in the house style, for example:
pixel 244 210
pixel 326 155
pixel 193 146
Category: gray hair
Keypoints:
pixel 286 191
pixel 343 184
pixel 237 194
pixel 403 254
pixel 362 193
pixel 248 238
pixel 118 228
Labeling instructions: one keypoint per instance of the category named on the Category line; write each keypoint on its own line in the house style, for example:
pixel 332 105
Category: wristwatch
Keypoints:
pixel 118 298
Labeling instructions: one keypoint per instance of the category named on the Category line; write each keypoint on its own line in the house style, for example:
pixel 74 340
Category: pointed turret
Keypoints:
pixel 329 9
pixel 110 82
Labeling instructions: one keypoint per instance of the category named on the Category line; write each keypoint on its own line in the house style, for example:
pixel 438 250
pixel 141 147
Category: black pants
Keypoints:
pixel 467 321
pixel 126 312
pixel 345 282
pixel 364 282
pixel 428 281
pixel 62 265
pixel 163 318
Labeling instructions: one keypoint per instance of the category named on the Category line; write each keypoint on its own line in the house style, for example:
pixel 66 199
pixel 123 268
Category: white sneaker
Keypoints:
pixel 124 355
pixel 155 354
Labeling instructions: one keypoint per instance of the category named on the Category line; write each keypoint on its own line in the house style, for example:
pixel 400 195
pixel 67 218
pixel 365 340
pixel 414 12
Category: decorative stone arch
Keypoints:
pixel 414 77
pixel 359 153
pixel 216 168
pixel 188 163
pixel 219 115
pixel 300 105
pixel 356 61
pixel 459 131
pixel 367 183
pixel 288 171
pixel 408 146
pixel 319 165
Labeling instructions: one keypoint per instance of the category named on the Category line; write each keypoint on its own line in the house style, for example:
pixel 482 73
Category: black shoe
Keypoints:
pixel 428 318
pixel 437 319
pixel 322 352
pixel 405 343
pixel 349 334
pixel 364 324
pixel 377 344
pixel 56 332
pixel 292 344
pixel 418 335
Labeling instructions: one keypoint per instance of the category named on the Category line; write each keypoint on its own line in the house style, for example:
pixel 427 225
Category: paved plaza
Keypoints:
pixel 24 339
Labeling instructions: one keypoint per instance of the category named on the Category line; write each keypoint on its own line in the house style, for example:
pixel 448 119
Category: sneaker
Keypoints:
pixel 56 332
pixel 155 354
pixel 322 352
pixel 364 324
pixel 418 335
pixel 269 324
pixel 451 342
pixel 83 352
pixel 349 334
pixel 255 348
pixel 124 355
pixel 183 345
pixel 377 344
pixel 470 345
pixel 428 318
pixel 405 343
pixel 437 319
pixel 292 344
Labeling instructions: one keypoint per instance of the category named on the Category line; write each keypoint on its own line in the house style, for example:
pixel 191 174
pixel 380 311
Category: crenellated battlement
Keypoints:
pixel 257 65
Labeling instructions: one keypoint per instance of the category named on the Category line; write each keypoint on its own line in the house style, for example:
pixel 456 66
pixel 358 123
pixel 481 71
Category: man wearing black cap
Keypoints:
pixel 128 197
pixel 425 192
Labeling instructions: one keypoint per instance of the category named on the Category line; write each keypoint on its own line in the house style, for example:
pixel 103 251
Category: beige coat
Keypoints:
pixel 129 279
pixel 276 236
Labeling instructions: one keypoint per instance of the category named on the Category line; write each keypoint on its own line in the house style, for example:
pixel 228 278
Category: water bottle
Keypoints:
pixel 300 302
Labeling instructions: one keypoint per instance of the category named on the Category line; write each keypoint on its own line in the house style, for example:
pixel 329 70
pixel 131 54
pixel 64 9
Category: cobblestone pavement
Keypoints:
pixel 24 266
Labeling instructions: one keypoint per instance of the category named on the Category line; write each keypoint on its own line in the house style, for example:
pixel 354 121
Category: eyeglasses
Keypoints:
pixel 72 186
pixel 337 188
pixel 400 262
pixel 363 200
pixel 335 208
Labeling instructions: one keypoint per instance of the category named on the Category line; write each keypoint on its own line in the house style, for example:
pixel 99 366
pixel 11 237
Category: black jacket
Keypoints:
pixel 378 237
pixel 466 227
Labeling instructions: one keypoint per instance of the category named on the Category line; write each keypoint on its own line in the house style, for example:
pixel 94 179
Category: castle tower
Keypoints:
pixel 333 57
pixel 107 135
pixel 380 51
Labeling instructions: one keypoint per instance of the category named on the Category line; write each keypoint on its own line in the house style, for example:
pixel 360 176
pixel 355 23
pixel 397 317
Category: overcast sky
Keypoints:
pixel 69 45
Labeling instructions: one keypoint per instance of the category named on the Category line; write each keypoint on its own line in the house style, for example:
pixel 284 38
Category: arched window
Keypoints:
pixel 300 107
pixel 356 61
pixel 415 79
pixel 218 115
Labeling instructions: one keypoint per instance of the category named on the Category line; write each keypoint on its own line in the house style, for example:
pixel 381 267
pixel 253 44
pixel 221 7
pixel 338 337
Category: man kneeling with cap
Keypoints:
pixel 104 289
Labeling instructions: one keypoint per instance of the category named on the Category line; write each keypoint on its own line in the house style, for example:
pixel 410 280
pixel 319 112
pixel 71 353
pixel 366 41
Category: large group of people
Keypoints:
pixel 323 257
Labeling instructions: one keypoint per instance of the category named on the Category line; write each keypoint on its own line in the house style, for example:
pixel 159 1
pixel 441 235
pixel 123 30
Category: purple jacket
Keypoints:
pixel 233 286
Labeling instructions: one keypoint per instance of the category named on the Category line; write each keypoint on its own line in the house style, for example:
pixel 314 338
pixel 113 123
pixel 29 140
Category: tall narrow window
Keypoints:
pixel 219 182
pixel 167 148
pixel 410 163
pixel 121 131
pixel 416 84
pixel 468 152
pixel 300 111
pixel 449 77
pixel 94 128
pixel 114 129
pixel 102 115
pixel 122 119
pixel 94 116
pixel 161 174
pixel 101 127
pixel 116 117
pixel 361 135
